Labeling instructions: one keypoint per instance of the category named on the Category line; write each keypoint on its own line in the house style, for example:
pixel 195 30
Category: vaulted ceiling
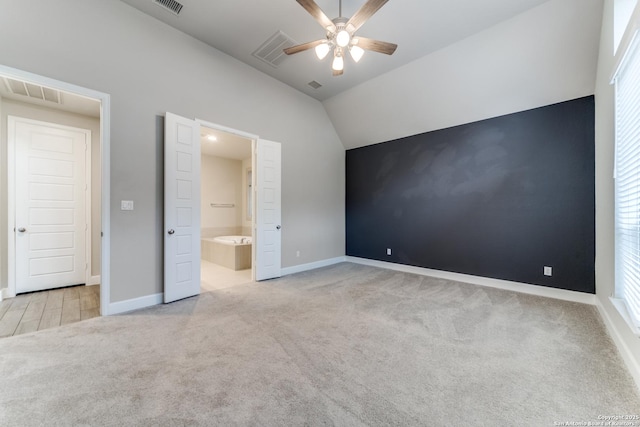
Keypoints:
pixel 419 27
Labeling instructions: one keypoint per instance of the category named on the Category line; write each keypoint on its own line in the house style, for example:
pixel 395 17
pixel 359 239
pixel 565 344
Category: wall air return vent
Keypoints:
pixel 33 91
pixel 270 52
pixel 171 5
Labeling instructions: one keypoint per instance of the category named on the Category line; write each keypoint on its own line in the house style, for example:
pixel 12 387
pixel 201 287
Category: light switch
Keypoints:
pixel 548 271
pixel 126 205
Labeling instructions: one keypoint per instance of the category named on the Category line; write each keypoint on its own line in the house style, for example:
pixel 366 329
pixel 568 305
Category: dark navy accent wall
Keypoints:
pixel 499 198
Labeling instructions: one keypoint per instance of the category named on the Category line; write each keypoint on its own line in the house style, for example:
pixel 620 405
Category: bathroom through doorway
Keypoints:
pixel 227 209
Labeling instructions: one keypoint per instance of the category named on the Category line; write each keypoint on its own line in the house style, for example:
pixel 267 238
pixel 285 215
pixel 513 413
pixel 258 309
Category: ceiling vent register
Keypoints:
pixel 170 5
pixel 33 91
pixel 271 51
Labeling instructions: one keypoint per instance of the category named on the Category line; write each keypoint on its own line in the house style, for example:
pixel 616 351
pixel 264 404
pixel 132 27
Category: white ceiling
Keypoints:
pixel 419 27
pixel 226 145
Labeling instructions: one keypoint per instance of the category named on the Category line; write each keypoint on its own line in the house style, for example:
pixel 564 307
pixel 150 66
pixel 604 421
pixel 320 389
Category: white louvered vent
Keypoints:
pixel 33 91
pixel 271 52
pixel 171 5
pixel 314 84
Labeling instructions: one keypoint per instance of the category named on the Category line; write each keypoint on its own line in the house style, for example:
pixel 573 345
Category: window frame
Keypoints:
pixel 629 45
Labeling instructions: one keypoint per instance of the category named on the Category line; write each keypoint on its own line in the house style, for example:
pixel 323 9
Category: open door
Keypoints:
pixel 268 237
pixel 181 208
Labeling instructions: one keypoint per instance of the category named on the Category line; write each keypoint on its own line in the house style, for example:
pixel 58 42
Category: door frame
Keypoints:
pixel 11 196
pixel 105 162
pixel 254 140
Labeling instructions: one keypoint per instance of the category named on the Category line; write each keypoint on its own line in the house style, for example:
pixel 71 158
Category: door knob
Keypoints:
pixel 22 229
pixel 171 231
pixel 278 227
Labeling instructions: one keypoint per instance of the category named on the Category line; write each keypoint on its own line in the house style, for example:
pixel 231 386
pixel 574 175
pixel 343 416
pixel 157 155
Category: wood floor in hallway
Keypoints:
pixel 42 310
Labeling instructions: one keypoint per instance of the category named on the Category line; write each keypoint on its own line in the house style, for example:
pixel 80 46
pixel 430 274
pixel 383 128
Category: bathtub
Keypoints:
pixel 232 252
pixel 233 240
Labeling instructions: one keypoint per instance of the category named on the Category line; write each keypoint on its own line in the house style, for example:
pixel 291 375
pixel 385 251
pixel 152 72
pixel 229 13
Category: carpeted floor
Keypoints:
pixel 342 345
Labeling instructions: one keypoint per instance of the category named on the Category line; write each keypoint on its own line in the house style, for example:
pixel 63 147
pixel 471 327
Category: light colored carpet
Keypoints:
pixel 343 345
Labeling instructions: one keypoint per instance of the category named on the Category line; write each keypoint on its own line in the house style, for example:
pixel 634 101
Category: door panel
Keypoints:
pixel 268 234
pixel 181 208
pixel 50 204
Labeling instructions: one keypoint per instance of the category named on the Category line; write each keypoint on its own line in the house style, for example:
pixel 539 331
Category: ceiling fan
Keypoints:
pixel 341 35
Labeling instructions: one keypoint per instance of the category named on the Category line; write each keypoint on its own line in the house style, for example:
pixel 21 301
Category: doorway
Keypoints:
pixel 47 98
pixel 182 206
pixel 226 217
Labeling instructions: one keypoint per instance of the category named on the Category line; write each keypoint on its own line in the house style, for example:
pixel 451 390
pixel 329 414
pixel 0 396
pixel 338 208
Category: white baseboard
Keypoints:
pixel 6 293
pixel 311 266
pixel 629 358
pixel 524 288
pixel 94 280
pixel 134 304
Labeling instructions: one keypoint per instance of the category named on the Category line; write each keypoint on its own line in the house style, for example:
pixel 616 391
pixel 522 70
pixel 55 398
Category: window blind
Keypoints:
pixel 627 182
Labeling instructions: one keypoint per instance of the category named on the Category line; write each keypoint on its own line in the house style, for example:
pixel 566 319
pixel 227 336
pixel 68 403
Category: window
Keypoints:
pixel 627 182
pixel 623 9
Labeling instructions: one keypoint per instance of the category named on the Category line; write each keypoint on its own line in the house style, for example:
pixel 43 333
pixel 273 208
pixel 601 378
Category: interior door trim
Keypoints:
pixel 105 169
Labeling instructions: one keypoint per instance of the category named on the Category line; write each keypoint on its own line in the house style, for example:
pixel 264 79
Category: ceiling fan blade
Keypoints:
pixel 365 12
pixel 338 72
pixel 376 45
pixel 302 47
pixel 317 13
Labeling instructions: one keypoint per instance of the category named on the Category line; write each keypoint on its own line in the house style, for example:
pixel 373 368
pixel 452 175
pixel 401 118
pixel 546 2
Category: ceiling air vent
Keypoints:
pixel 314 84
pixel 171 5
pixel 33 91
pixel 271 52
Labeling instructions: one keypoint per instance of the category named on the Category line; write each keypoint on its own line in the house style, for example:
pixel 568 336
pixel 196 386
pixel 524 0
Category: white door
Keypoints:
pixel 181 208
pixel 268 235
pixel 50 204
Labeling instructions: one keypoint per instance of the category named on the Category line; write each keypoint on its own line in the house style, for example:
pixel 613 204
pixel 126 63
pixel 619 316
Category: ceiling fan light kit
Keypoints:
pixel 340 35
pixel 356 53
pixel 338 62
pixel 322 50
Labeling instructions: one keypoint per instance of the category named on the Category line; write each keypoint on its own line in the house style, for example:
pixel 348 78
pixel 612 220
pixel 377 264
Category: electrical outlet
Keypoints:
pixel 297 254
pixel 126 205
pixel 548 271
pixel 388 251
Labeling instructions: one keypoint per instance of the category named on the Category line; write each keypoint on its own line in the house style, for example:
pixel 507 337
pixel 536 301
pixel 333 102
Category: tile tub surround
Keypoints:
pixel 234 257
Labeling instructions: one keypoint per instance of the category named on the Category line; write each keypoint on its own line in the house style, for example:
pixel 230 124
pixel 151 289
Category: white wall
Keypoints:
pixel 20 109
pixel 221 184
pixel 149 68
pixel 605 221
pixel 543 56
